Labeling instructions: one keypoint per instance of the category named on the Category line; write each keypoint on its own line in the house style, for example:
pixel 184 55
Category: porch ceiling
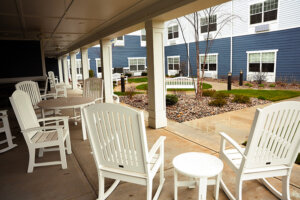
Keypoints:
pixel 70 24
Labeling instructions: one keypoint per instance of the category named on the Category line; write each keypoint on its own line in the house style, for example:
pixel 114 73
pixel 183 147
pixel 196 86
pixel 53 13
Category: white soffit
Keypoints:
pixel 66 25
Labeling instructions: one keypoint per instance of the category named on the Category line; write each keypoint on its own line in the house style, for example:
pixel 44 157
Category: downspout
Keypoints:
pixel 231 36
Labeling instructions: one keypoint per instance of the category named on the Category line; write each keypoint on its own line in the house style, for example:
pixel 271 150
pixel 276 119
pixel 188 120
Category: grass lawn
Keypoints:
pixel 137 80
pixel 145 87
pixel 126 93
pixel 271 95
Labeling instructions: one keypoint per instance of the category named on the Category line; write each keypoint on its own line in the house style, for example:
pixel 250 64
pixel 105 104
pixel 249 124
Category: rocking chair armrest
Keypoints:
pixel 50 95
pixel 117 99
pixel 55 119
pixel 3 112
pixel 99 99
pixel 225 137
pixel 3 116
pixel 42 128
pixel 156 146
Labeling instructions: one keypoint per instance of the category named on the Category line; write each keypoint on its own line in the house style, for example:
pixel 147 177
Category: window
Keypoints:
pixel 173 32
pixel 211 26
pixel 263 12
pixel 262 61
pixel 137 64
pixel 98 65
pixel 78 66
pixel 211 62
pixel 173 62
pixel 143 37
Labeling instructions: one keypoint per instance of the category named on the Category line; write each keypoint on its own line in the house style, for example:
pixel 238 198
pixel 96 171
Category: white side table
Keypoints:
pixel 199 167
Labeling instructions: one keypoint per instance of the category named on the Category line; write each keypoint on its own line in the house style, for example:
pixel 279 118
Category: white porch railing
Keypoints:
pixel 180 83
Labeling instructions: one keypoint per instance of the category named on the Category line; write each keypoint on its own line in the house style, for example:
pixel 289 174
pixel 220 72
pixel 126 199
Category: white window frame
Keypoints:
pixel 120 42
pixel 131 58
pixel 143 43
pixel 172 25
pixel 208 24
pixel 270 75
pixel 99 74
pixel 209 54
pixel 173 71
pixel 262 20
pixel 78 67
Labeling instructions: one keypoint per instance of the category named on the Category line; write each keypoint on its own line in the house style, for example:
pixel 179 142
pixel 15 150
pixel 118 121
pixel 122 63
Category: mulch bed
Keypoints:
pixel 188 108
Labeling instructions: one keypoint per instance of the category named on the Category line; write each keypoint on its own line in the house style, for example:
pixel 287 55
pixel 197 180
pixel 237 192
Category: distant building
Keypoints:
pixel 263 38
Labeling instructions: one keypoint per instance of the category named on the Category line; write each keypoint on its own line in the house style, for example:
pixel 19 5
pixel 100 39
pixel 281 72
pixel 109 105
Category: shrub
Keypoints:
pixel 221 95
pixel 144 73
pixel 171 99
pixel 241 99
pixel 261 85
pixel 244 143
pixel 218 102
pixel 249 84
pixel 272 85
pixel 261 97
pixel 281 84
pixel 131 92
pixel 91 73
pixel 128 74
pixel 208 93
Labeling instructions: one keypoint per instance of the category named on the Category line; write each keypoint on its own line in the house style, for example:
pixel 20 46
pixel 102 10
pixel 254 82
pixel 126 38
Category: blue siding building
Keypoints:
pixel 252 43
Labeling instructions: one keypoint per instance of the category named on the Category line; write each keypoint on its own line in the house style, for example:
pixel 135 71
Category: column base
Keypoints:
pixel 157 119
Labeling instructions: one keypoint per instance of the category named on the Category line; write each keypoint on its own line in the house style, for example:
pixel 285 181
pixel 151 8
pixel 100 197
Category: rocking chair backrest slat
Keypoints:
pixel 275 136
pixel 93 87
pixel 24 111
pixel 32 89
pixel 118 138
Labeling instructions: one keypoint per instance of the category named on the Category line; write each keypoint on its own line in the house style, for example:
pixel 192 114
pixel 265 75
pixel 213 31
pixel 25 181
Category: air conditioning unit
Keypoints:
pixel 172 42
pixel 261 28
pixel 208 37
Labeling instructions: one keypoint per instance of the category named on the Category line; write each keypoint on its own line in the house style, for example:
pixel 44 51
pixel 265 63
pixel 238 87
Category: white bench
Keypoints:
pixel 180 83
pixel 116 77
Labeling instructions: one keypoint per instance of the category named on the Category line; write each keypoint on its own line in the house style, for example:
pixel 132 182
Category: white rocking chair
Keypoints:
pixel 93 87
pixel 4 128
pixel 272 148
pixel 58 88
pixel 33 90
pixel 41 137
pixel 118 138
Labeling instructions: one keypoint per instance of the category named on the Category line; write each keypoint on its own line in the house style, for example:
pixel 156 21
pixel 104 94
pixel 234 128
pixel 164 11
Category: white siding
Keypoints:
pixel 288 17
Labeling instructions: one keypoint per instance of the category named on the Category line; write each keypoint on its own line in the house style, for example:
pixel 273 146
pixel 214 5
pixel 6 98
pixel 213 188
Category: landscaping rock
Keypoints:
pixel 189 108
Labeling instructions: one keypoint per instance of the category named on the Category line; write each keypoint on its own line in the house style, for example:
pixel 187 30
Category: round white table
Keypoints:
pixel 199 167
pixel 66 103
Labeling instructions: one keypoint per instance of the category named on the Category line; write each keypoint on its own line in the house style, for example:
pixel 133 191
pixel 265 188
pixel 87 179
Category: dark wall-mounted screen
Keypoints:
pixel 20 59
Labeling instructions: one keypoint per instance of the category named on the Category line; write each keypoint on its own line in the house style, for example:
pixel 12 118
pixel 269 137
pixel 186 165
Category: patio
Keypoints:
pixel 80 180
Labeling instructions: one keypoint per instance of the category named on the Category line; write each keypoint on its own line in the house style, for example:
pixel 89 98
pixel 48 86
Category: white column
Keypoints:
pixel 73 69
pixel 66 70
pixel 84 63
pixel 156 74
pixel 60 70
pixel 106 62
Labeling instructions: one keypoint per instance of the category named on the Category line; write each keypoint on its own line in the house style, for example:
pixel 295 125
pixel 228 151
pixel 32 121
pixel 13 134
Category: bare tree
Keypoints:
pixel 196 20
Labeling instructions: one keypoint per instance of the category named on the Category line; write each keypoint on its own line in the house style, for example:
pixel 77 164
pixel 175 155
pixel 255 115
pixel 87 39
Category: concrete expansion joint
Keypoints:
pixel 191 140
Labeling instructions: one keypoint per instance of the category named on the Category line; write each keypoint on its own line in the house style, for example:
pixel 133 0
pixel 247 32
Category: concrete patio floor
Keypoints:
pixel 80 180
